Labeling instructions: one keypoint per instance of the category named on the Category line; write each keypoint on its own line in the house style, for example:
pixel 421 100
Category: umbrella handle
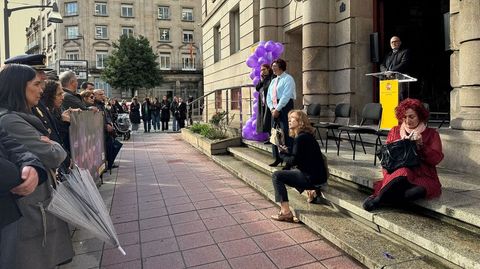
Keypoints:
pixel 121 250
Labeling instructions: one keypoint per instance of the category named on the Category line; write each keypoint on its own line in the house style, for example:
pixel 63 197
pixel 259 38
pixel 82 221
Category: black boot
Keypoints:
pixel 371 203
pixel 276 163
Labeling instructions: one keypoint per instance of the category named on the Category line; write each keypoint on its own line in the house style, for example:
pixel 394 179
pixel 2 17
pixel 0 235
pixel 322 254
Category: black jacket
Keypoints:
pixel 135 113
pixel 72 100
pixel 13 157
pixel 307 157
pixel 398 61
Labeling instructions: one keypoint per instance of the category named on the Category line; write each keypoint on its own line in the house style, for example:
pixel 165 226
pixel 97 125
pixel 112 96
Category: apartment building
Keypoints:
pixel 90 27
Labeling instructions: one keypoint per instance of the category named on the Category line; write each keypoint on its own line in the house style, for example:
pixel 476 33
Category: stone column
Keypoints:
pixel 465 64
pixel 268 20
pixel 315 41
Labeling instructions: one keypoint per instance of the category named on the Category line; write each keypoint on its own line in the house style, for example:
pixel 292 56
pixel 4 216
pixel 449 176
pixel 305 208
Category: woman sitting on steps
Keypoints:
pixel 307 158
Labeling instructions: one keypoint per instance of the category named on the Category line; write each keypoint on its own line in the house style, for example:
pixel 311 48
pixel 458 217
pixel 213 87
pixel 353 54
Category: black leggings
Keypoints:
pixel 400 190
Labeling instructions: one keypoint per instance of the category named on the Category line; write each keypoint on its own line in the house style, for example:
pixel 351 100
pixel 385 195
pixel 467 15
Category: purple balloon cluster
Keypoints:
pixel 265 53
pixel 249 131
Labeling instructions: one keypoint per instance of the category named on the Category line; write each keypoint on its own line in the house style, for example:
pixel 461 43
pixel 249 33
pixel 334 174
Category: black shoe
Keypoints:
pixel 267 142
pixel 276 163
pixel 114 166
pixel 371 203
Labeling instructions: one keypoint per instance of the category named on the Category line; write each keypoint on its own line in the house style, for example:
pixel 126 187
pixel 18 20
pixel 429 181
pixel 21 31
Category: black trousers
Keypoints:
pixel 164 125
pixel 282 120
pixel 293 178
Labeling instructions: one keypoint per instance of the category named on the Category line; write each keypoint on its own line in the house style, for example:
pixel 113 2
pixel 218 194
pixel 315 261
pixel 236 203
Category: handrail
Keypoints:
pixel 204 107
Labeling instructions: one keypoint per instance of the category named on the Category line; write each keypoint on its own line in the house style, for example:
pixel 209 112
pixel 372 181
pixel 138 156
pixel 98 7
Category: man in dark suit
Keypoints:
pixel 398 60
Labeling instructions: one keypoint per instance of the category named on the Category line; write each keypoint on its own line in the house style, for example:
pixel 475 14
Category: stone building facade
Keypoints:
pixel 90 27
pixel 328 52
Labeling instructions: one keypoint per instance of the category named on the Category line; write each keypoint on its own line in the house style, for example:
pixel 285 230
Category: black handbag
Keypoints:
pixel 401 153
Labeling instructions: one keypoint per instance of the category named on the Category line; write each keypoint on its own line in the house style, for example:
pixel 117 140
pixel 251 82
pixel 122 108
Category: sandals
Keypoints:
pixel 283 217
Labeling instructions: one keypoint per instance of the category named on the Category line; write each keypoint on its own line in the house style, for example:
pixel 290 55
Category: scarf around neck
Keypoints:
pixel 405 131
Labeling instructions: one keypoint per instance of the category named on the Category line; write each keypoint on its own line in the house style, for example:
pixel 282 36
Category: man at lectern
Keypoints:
pixel 397 60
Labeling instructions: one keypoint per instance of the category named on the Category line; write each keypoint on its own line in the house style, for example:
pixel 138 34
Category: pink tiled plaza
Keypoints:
pixel 175 208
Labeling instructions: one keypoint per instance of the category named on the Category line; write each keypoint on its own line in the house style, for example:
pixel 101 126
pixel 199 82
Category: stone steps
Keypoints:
pixel 460 200
pixel 371 248
pixel 444 242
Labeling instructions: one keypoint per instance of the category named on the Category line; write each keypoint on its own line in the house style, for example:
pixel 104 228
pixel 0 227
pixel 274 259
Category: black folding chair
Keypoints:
pixel 313 112
pixel 342 118
pixel 372 112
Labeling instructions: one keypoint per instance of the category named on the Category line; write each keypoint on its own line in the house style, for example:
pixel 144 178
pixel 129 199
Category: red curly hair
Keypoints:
pixel 414 104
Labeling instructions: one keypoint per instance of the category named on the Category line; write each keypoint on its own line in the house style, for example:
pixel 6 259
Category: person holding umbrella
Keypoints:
pixel 41 235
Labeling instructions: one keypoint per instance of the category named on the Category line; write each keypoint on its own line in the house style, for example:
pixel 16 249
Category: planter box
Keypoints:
pixel 207 146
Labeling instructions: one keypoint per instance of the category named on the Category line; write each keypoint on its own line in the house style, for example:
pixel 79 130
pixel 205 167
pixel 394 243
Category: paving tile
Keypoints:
pixel 237 248
pixel 126 227
pixel 149 192
pixel 242 207
pixel 224 192
pixel 262 204
pixel 206 204
pixel 255 261
pixel 159 247
pixel 302 234
pixel 314 265
pixel 156 233
pixel 126 239
pixel 154 222
pixel 341 262
pixel 231 200
pixel 273 240
pixel 151 213
pixel 180 208
pixel 290 256
pixel 212 212
pixel 201 196
pixel 253 196
pixel 170 261
pixel 126 265
pixel 259 227
pixel 321 250
pixel 214 265
pixel 202 255
pixel 184 217
pixel 249 216
pixel 219 222
pixel 195 240
pixel 113 256
pixel 228 233
pixel 150 198
pixel 189 227
pixel 150 205
pixel 177 200
pixel 124 209
pixel 244 190
pixel 124 217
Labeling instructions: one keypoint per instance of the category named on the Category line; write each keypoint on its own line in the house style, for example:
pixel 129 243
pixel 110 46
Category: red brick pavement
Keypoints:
pixel 175 208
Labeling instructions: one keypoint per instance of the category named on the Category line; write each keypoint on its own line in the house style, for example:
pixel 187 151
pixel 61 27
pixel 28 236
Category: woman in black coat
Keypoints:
pixel 135 113
pixel 146 115
pixel 182 115
pixel 165 113
pixel 264 115
pixel 306 157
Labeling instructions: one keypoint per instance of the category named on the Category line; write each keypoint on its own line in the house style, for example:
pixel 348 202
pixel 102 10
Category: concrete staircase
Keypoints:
pixel 441 233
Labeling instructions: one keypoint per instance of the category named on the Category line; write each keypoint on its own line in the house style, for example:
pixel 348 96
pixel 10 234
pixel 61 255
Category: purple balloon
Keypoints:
pixel 257 71
pixel 260 51
pixel 255 94
pixel 270 45
pixel 256 80
pixel 252 61
pixel 279 48
pixel 262 60
pixel 255 107
pixel 269 57
pixel 252 74
pixel 254 123
pixel 261 43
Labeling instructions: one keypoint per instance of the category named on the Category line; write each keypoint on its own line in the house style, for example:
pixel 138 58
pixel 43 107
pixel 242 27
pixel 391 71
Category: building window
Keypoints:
pixel 72 55
pixel 71 9
pixel 235 97
pixel 218 100
pixel 128 31
pixel 165 61
pixel 188 61
pixel 101 32
pixel 127 10
pixel 101 57
pixel 55 37
pixel 234 31
pixel 49 39
pixel 164 34
pixel 48 22
pixel 71 32
pixel 44 43
pixel 187 14
pixel 163 13
pixel 100 84
pixel 187 36
pixel 216 43
pixel 101 9
pixel 43 23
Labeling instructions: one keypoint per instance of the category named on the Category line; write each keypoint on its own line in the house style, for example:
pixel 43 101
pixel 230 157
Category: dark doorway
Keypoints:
pixel 421 27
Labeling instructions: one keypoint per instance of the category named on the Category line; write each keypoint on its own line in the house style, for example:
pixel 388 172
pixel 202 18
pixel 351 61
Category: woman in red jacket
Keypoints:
pixel 408 184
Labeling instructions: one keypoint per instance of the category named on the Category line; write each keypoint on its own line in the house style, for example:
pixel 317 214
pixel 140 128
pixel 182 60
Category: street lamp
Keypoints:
pixel 54 17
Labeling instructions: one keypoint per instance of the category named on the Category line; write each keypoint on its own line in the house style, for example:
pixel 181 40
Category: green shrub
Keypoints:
pixel 197 127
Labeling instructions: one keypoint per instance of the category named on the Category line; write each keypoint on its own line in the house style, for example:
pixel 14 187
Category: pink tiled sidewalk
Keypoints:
pixel 175 208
